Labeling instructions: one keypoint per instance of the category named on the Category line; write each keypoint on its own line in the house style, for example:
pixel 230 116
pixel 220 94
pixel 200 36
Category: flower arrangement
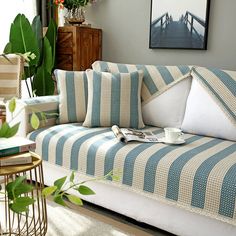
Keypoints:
pixel 73 4
pixel 75 9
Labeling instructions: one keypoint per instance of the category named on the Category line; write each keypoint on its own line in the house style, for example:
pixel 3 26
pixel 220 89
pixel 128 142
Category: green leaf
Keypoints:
pixel 12 130
pixel 72 176
pixel 37 29
pixel 75 200
pixel 7 131
pixel 47 55
pixel 21 204
pixel 84 190
pixel 12 105
pixel 17 208
pixel 23 39
pixel 49 190
pixel 59 200
pixel 8 48
pixel 59 182
pixel 4 129
pixel 43 82
pixel 23 188
pixel 10 191
pixel 51 35
pixel 16 182
pixel 34 121
pixel 12 186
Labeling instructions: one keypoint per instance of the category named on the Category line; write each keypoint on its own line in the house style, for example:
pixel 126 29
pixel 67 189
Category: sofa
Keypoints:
pixel 187 189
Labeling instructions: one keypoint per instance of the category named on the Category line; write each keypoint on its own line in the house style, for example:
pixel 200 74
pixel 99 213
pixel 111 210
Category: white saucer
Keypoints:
pixel 178 141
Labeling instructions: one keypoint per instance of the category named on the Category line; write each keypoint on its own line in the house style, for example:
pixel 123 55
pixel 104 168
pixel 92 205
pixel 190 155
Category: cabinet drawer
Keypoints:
pixel 64 50
pixel 65 40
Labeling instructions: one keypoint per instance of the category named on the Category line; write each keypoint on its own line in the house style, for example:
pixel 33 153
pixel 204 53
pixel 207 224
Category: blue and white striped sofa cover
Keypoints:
pixel 198 177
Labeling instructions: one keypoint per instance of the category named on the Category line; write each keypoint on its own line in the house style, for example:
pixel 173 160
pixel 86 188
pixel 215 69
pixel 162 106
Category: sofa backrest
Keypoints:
pixel 155 79
pixel 162 105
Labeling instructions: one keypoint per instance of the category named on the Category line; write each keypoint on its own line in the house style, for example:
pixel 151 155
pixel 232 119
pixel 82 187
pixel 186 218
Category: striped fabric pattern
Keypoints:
pixel 199 176
pixel 10 76
pixel 72 88
pixel 221 85
pixel 114 99
pixel 156 79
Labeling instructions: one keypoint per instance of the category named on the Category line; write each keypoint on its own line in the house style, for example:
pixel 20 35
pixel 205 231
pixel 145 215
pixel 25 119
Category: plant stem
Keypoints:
pixel 28 69
pixel 14 116
pixel 31 81
pixel 83 182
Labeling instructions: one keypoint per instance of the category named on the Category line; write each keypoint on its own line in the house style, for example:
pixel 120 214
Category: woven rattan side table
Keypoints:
pixel 35 221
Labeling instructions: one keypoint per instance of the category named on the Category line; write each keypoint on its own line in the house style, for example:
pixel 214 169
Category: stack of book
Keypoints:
pixel 16 151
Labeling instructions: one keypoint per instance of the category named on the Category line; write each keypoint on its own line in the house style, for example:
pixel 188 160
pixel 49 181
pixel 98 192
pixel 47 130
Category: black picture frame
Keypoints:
pixel 177 24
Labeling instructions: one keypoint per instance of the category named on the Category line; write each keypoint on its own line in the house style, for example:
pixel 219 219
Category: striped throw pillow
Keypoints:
pixel 156 78
pixel 114 99
pixel 72 88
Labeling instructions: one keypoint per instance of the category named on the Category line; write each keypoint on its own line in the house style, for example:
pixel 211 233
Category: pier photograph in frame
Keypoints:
pixel 181 24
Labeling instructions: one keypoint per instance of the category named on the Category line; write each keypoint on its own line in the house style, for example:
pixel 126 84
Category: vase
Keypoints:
pixel 59 16
pixel 75 16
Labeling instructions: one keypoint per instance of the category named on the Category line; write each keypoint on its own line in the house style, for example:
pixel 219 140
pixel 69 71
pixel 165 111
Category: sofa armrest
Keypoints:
pixel 25 107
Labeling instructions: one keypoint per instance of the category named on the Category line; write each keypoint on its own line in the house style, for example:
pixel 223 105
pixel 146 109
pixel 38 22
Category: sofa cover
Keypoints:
pixel 198 176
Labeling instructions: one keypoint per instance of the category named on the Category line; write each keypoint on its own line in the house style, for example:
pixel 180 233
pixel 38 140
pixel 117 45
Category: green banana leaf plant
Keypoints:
pixel 28 39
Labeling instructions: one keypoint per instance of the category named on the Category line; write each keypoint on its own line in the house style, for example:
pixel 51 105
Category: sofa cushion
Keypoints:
pixel 198 176
pixel 167 109
pixel 72 88
pixel 114 99
pixel 155 79
pixel 204 116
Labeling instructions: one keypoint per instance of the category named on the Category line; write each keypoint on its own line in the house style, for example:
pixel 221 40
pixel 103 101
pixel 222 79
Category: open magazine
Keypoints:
pixel 126 135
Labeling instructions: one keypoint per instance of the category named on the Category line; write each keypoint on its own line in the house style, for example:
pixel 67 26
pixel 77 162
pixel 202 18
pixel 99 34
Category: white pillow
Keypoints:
pixel 167 110
pixel 203 115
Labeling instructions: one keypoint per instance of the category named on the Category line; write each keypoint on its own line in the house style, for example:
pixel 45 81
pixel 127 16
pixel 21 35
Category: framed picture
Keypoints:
pixel 179 24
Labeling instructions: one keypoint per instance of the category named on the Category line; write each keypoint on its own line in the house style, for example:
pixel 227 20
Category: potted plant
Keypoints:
pixel 75 10
pixel 27 39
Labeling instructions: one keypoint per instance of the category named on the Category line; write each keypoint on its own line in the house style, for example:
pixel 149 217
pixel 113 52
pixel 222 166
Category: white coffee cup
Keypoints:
pixel 172 134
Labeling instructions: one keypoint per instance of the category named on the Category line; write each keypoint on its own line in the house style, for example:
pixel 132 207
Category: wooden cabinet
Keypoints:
pixel 78 47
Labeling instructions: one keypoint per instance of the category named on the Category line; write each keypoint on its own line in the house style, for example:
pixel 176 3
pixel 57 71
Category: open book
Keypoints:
pixel 126 135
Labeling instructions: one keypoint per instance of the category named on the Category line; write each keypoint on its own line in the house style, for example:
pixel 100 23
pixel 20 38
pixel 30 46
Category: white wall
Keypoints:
pixel 8 11
pixel 125 25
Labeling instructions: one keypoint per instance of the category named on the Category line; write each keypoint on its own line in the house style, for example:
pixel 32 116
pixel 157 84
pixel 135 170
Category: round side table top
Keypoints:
pixel 8 170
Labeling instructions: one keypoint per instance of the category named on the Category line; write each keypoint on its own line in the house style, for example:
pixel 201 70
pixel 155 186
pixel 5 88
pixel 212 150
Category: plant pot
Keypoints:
pixel 75 16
